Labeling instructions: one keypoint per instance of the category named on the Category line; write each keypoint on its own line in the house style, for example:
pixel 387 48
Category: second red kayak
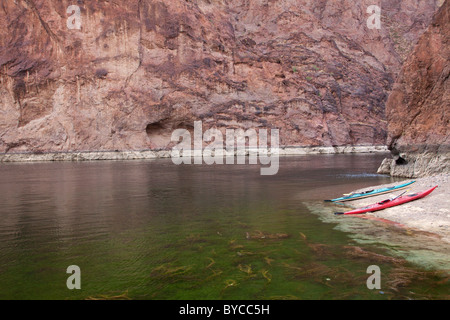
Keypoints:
pixel 390 203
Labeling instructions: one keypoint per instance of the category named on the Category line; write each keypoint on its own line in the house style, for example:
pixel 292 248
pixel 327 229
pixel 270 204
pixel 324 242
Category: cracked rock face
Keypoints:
pixel 418 109
pixel 135 71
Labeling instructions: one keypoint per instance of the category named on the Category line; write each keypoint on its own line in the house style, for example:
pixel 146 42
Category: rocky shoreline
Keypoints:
pixel 411 165
pixel 155 154
pixel 430 214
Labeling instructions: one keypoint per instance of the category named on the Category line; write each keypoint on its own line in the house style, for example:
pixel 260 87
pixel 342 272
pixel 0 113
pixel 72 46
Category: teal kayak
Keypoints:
pixel 370 193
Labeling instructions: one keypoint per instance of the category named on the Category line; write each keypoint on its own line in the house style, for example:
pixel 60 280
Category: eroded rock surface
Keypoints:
pixel 137 70
pixel 418 109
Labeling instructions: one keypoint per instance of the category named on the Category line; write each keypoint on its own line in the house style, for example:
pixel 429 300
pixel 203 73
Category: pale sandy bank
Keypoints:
pixel 430 214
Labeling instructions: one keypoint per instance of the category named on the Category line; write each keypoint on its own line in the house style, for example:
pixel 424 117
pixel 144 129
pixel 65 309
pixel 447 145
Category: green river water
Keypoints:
pixel 155 230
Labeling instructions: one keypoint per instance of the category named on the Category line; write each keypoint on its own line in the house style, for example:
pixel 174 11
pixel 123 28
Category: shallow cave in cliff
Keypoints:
pixel 154 128
pixel 158 135
pixel 400 161
pixel 159 128
pixel 160 132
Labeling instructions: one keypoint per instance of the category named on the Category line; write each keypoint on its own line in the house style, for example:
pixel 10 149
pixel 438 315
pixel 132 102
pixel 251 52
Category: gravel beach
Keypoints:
pixel 429 214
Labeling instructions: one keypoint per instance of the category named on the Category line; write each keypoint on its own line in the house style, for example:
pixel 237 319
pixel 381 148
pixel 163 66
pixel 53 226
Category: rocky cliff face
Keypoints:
pixel 418 109
pixel 136 70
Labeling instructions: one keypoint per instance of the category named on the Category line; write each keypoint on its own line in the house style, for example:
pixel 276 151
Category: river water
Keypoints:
pixel 155 230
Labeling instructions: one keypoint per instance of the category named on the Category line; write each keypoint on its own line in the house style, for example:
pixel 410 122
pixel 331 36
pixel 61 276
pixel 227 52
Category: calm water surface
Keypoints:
pixel 154 230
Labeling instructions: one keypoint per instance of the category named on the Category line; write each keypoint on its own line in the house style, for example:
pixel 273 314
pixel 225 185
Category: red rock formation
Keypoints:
pixel 418 109
pixel 137 70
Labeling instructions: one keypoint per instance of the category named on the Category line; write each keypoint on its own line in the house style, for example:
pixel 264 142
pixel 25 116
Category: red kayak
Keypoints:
pixel 390 203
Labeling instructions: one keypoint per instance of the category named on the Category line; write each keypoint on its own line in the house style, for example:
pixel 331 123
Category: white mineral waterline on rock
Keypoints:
pixel 149 154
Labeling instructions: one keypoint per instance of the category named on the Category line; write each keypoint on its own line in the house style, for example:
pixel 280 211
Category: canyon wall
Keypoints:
pixel 418 109
pixel 123 75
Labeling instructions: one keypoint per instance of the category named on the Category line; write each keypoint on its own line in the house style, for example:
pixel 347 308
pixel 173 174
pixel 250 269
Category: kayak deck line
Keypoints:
pixel 370 193
pixel 388 203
